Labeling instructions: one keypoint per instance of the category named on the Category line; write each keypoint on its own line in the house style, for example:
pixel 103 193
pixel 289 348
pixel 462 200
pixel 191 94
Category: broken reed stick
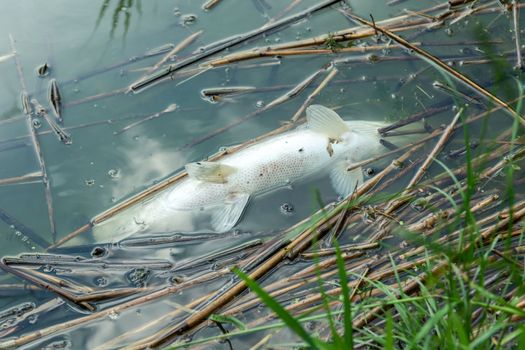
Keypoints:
pixel 284 11
pixel 210 4
pixel 36 145
pixel 178 48
pixel 331 74
pixel 451 71
pixel 517 40
pixel 228 44
pixel 447 133
pixel 32 177
pixel 414 118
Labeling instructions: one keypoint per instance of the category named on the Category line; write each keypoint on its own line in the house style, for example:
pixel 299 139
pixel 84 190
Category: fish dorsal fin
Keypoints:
pixel 344 181
pixel 325 121
pixel 209 171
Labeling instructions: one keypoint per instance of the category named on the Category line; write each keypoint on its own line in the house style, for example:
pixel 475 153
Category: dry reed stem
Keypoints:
pixel 447 133
pixel 178 48
pixel 515 17
pixel 210 4
pixel 32 177
pixel 331 74
pixel 344 248
pixel 36 145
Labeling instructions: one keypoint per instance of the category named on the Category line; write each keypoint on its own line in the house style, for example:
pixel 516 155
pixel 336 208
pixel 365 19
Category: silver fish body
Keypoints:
pixel 215 194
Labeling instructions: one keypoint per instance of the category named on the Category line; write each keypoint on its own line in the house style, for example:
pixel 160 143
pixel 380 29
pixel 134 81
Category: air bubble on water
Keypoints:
pixel 32 319
pixel 89 182
pixel 287 209
pixel 101 282
pixel 114 173
pixel 393 96
pixel 188 19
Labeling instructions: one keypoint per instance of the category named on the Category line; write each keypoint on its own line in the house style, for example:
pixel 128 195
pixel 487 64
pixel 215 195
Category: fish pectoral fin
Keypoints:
pixel 209 171
pixel 325 121
pixel 345 181
pixel 225 217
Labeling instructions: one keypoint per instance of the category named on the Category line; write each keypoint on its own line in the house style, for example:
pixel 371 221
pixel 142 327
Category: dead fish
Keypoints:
pixel 215 194
pixel 43 70
pixel 61 134
pixel 26 105
pixel 55 99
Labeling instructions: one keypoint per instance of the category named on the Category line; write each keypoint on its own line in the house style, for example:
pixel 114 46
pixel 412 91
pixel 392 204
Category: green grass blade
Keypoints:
pixel 347 307
pixel 284 315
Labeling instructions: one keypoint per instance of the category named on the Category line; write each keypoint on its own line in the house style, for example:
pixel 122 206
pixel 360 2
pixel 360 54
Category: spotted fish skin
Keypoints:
pixel 193 204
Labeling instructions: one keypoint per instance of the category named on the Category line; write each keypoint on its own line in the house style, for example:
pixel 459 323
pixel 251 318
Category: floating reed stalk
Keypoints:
pixel 36 145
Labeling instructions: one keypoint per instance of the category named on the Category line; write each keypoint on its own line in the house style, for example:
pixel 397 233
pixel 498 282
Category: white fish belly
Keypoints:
pixel 192 205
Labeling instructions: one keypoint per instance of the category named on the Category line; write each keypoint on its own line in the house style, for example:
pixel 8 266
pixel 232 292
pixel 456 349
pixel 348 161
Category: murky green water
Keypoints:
pixel 92 50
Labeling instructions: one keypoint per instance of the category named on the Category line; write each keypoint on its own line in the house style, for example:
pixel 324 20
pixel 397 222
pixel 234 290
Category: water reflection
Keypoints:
pixel 123 8
pixel 145 160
